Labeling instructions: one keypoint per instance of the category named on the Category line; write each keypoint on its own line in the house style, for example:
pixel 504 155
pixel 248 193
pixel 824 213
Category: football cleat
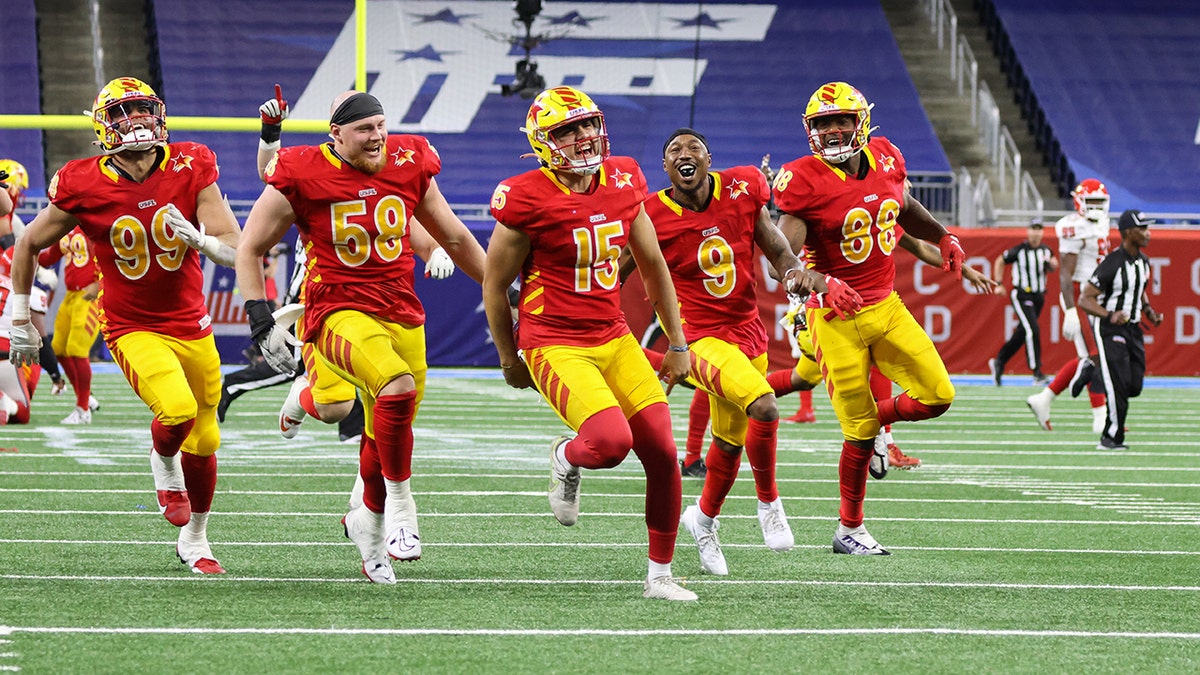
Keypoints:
pixel 1040 380
pixel 694 470
pixel 1107 443
pixel 78 416
pixel 900 460
pixel 93 404
pixel 198 556
pixel 1039 404
pixel 996 374
pixel 665 588
pixel 403 538
pixel 364 527
pixel 712 560
pixel 292 413
pixel 223 405
pixel 803 416
pixel 878 466
pixel 1083 376
pixel 564 486
pixel 777 534
pixel 856 541
pixel 168 484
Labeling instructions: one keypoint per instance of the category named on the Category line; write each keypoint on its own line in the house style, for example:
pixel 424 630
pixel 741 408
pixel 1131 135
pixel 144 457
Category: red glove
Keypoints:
pixel 953 255
pixel 844 301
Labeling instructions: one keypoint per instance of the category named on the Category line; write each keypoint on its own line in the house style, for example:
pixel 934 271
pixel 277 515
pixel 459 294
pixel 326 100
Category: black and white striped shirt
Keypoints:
pixel 1122 279
pixel 1029 266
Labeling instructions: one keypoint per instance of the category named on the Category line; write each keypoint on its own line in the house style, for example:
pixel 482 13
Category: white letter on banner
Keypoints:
pixel 932 315
pixel 919 282
pixel 1196 276
pixel 1187 325
pixel 1156 274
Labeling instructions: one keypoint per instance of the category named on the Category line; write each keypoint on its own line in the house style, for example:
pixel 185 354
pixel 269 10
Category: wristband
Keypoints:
pixel 20 307
pixel 210 245
pixel 682 350
pixel 271 132
pixel 261 320
pixel 272 146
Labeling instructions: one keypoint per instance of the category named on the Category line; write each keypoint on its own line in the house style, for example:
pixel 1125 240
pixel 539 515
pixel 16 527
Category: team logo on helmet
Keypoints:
pixel 128 115
pixel 556 108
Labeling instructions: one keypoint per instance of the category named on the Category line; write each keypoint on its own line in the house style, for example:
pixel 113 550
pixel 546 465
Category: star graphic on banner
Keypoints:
pixel 703 20
pixel 444 16
pixel 223 282
pixel 889 163
pixel 624 179
pixel 427 52
pixel 738 188
pixel 573 18
pixel 402 157
pixel 180 162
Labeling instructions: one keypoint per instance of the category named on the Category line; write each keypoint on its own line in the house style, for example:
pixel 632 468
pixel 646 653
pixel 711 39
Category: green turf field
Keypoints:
pixel 1014 550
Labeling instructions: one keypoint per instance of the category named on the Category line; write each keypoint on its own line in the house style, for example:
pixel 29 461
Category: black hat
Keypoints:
pixel 1133 218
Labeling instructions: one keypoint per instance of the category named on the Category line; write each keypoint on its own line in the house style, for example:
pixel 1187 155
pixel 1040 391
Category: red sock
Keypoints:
pixel 781 382
pixel 81 379
pixel 881 387
pixel 604 440
pixel 654 446
pixel 698 416
pixel 904 408
pixel 393 434
pixel 805 401
pixel 200 479
pixel 374 490
pixel 68 368
pixel 1062 379
pixel 306 402
pixel 722 472
pixel 1096 399
pixel 852 481
pixel 167 440
pixel 760 450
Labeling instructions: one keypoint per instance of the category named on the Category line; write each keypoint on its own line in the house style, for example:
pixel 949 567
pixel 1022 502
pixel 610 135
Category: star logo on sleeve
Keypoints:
pixel 737 188
pixel 623 179
pixel 888 162
pixel 180 162
pixel 401 157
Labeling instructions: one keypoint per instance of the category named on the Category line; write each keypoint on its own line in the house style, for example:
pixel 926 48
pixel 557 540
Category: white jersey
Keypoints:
pixel 1087 239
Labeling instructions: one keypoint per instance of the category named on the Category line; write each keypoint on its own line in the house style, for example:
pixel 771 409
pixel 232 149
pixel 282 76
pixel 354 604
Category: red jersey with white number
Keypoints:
pixel 711 257
pixel 852 229
pixel 354 227
pixel 150 280
pixel 80 269
pixel 570 288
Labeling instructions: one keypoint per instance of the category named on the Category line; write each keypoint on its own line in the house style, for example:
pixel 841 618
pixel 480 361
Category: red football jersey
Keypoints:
pixel 354 227
pixel 711 257
pixel 150 280
pixel 852 229
pixel 80 269
pixel 570 286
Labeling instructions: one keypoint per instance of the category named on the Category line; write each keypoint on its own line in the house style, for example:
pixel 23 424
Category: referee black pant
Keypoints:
pixel 1028 307
pixel 1122 369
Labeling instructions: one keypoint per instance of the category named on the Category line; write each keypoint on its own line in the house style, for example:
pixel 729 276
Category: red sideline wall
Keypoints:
pixel 968 329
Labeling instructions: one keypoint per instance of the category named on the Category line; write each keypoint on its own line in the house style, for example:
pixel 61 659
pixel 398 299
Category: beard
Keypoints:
pixel 366 165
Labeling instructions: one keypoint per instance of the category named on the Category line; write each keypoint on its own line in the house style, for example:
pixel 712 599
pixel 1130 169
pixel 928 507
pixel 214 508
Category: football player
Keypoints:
pixel 844 203
pixel 14 180
pixel 351 200
pixel 15 394
pixel 136 204
pixel 561 227
pixel 1082 244
pixel 78 319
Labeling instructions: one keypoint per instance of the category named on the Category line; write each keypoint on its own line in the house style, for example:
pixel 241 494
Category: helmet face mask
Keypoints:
pixel 128 115
pixel 566 130
pixel 837 143
pixel 1091 200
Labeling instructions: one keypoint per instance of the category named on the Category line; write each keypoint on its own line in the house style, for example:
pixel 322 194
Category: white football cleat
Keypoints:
pixel 1039 404
pixel 78 416
pixel 564 486
pixel 193 549
pixel 403 539
pixel 93 404
pixel 856 541
pixel 878 465
pixel 777 534
pixel 712 559
pixel 364 527
pixel 292 413
pixel 665 588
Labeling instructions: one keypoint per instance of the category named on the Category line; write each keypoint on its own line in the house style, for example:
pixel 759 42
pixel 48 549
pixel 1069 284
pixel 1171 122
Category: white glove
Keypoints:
pixel 47 277
pixel 1070 327
pixel 188 233
pixel 278 350
pixel 440 265
pixel 25 345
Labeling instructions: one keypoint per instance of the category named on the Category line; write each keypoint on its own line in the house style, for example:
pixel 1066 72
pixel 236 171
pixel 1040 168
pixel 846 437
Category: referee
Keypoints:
pixel 1116 294
pixel 1030 260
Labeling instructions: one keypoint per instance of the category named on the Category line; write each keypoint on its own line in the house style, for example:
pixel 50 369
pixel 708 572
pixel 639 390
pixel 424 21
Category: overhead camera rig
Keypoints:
pixel 527 82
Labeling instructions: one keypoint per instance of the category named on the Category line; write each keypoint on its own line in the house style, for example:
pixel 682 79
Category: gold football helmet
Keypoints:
pixel 838 98
pixel 556 108
pixel 128 115
pixel 18 178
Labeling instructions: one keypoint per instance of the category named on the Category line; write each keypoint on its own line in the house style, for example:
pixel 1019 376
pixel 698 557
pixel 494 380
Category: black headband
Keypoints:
pixel 685 131
pixel 356 107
